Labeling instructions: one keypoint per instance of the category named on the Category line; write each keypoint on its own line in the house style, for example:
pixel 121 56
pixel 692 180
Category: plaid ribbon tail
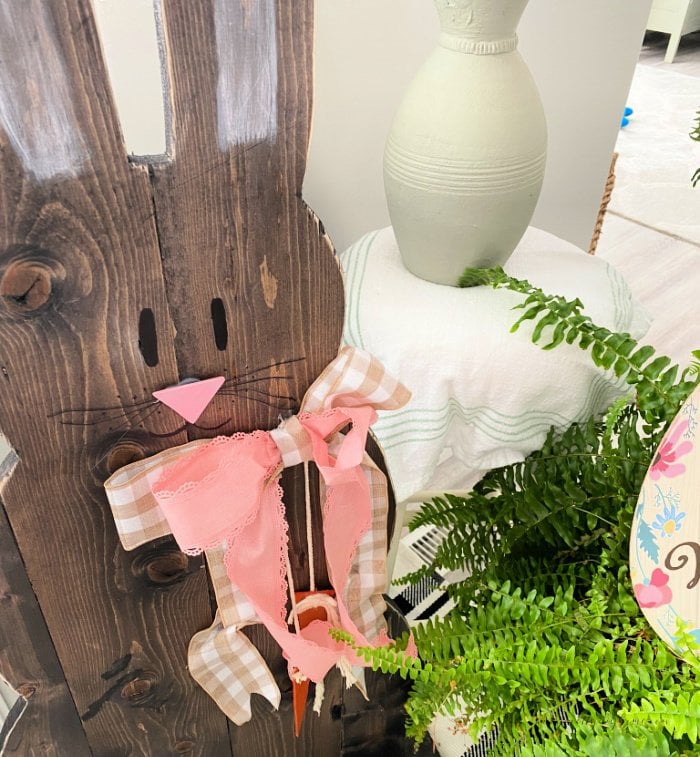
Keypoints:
pixel 230 669
pixel 367 582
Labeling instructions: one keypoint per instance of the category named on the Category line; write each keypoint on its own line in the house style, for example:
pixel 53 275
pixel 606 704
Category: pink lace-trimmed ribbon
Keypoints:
pixel 223 496
pixel 228 491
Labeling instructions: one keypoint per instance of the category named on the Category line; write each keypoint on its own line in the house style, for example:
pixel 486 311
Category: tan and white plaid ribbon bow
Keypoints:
pixel 221 659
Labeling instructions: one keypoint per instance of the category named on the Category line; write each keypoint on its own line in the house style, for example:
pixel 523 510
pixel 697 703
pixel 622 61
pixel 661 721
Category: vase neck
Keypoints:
pixel 481 27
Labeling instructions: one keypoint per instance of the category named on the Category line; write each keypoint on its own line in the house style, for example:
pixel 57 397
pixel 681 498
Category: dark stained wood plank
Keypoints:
pixel 49 725
pixel 79 260
pixel 233 227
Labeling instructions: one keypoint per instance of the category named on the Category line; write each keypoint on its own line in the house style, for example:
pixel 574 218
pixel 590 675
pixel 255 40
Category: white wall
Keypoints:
pixel 130 46
pixel 582 55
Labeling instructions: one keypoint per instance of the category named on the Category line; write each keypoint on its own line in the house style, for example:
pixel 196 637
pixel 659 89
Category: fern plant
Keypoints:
pixel 546 644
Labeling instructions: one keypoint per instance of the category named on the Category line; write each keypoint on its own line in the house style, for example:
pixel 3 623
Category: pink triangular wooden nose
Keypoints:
pixel 190 400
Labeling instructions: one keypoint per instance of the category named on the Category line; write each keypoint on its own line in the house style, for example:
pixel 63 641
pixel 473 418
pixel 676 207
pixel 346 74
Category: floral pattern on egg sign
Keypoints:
pixel 669 451
pixel 690 410
pixel 665 536
pixel 668 521
pixel 654 592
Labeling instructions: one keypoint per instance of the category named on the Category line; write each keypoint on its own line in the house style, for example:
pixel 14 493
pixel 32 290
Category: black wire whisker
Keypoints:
pixel 233 392
pixel 271 366
pixel 85 410
pixel 241 380
pixel 260 401
pixel 133 412
pixel 133 417
pixel 247 382
pixel 250 392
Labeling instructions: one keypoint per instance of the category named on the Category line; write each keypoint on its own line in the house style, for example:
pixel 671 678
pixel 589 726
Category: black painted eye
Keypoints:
pixel 148 339
pixel 218 319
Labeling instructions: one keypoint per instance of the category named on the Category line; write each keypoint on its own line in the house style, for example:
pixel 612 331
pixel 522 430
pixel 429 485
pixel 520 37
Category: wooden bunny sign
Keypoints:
pixel 119 280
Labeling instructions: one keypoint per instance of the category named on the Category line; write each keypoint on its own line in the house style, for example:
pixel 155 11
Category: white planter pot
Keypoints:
pixel 465 157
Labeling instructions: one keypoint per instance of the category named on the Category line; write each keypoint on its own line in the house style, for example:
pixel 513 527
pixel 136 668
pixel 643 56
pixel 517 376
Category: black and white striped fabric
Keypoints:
pixel 428 597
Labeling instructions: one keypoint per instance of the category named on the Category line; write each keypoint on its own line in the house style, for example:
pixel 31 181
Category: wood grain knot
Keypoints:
pixel 26 285
pixel 123 453
pixel 167 569
pixel 140 690
pixel 26 690
pixel 182 747
pixel 163 567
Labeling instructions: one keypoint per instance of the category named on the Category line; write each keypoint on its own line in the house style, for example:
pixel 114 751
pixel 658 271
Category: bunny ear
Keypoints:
pixel 74 211
pixel 37 110
pixel 249 84
pixel 56 107
pixel 225 97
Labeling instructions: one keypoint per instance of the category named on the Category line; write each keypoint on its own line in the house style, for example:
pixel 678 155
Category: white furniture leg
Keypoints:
pixel 672 49
pixel 399 522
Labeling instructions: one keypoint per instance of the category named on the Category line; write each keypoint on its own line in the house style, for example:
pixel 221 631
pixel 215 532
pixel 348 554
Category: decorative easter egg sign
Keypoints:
pixel 665 541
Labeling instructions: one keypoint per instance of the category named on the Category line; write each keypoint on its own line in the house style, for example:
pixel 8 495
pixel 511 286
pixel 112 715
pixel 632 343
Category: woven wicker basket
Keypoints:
pixel 609 184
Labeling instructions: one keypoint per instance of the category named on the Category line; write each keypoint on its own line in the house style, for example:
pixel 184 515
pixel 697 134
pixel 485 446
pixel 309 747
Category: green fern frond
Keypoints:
pixel 679 717
pixel 618 743
pixel 654 378
pixel 695 133
pixel 694 368
pixel 559 496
